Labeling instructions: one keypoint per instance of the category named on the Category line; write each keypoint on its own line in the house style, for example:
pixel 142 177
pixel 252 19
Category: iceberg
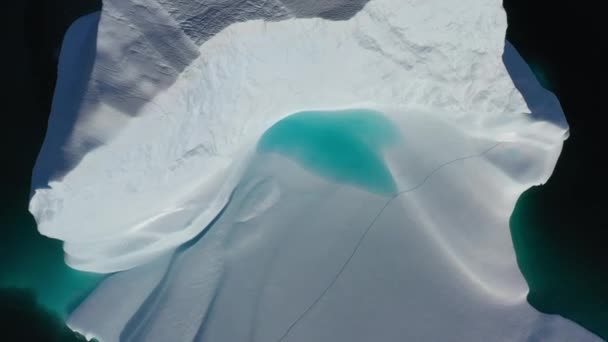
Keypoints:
pixel 285 171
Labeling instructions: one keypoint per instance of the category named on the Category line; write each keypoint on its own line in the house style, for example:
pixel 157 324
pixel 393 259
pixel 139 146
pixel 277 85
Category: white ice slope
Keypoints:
pixel 164 130
pixel 330 262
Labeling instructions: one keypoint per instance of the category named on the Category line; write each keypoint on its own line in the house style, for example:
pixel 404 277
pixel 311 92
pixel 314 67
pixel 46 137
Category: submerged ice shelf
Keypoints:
pixel 301 178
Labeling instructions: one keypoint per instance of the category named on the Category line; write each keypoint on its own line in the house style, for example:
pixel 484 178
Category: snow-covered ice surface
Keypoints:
pixel 150 167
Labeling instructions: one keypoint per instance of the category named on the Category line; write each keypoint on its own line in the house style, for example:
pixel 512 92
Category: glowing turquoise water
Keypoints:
pixel 344 146
pixel 31 261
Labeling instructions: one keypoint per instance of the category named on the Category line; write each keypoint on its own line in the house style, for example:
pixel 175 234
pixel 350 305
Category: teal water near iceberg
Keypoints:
pixel 344 146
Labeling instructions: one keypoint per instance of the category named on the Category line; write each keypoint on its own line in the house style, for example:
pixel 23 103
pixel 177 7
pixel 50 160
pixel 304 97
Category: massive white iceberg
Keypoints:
pixel 151 167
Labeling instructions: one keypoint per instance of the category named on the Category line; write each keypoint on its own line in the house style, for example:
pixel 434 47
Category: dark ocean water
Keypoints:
pixel 36 287
pixel 559 230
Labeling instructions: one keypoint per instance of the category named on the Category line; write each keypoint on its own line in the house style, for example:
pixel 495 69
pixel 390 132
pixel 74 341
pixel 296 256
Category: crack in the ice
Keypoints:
pixel 368 229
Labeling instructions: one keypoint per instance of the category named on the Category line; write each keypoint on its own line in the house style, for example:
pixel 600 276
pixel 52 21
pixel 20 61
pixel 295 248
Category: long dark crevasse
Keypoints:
pixel 559 229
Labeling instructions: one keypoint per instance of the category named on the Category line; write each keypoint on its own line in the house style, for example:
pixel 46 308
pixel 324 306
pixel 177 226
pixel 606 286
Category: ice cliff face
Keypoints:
pixel 172 155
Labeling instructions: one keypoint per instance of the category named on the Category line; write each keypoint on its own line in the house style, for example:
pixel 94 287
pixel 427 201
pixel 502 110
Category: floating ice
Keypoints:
pixel 296 179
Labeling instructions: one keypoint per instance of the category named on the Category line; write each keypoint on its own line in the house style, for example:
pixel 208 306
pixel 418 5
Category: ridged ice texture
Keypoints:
pixel 146 156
